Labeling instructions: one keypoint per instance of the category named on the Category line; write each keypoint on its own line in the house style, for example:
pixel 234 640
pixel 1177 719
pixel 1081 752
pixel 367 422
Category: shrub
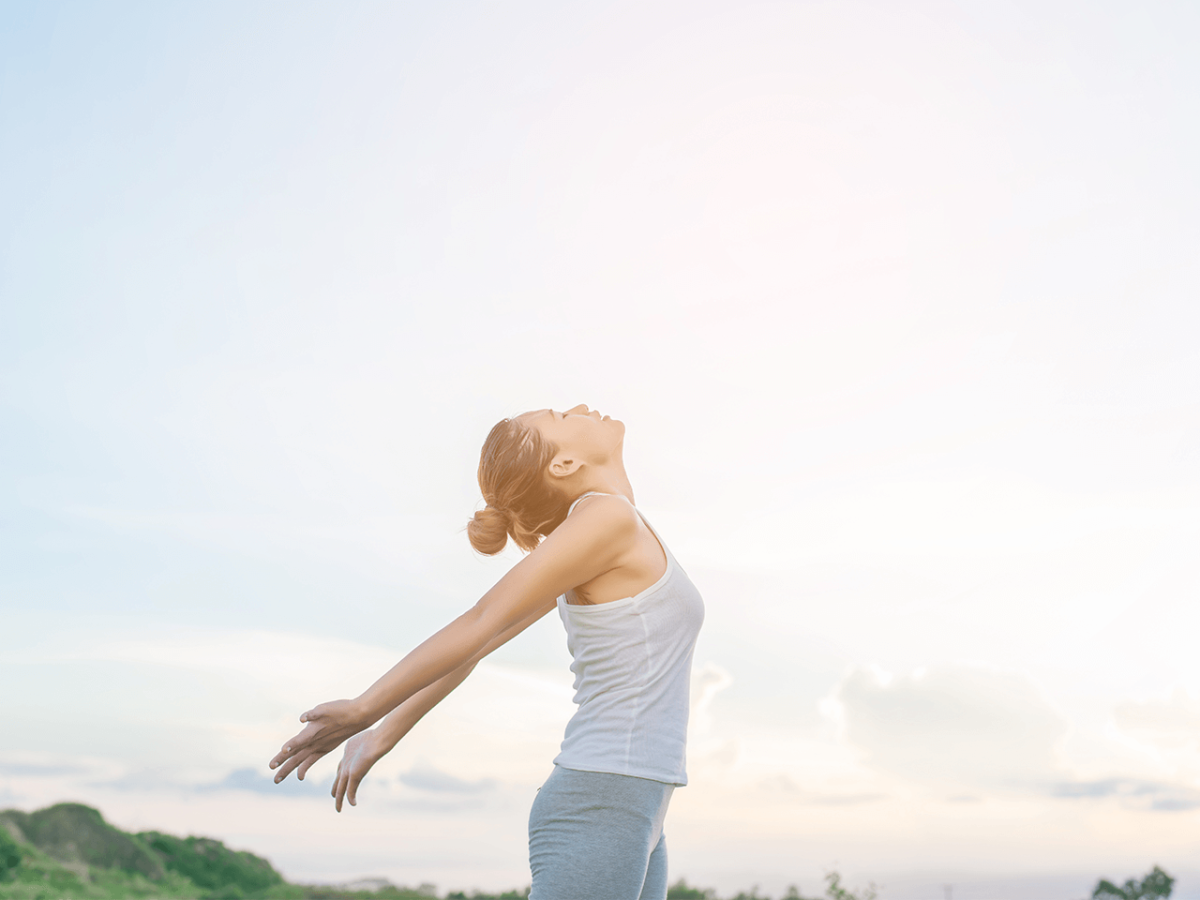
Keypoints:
pixel 1156 884
pixel 10 853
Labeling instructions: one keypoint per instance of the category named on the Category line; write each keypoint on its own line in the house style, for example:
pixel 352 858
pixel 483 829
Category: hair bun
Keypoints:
pixel 488 530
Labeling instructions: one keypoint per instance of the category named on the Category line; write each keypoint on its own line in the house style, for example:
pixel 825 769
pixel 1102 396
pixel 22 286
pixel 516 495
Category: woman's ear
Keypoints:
pixel 563 467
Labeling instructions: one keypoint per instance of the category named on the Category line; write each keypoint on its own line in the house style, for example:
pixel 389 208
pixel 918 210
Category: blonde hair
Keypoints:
pixel 521 504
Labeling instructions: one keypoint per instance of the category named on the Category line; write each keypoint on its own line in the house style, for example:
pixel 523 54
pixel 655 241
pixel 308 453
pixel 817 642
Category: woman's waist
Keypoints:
pixel 629 702
pixel 594 733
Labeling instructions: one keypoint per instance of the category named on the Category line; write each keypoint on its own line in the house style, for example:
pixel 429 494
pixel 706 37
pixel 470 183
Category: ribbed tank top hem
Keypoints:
pixel 606 770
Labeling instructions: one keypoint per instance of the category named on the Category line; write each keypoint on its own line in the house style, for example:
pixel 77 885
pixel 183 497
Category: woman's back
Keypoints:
pixel 632 661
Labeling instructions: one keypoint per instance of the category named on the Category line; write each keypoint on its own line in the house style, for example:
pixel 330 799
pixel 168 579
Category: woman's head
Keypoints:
pixel 520 500
pixel 533 465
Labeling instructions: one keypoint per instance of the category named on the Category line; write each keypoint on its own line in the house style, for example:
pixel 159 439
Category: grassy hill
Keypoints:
pixel 68 852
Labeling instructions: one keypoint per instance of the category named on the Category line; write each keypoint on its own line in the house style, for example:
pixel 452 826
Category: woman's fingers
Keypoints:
pixel 281 757
pixel 286 768
pixel 345 785
pixel 340 792
pixel 298 742
pixel 307 764
pixel 324 728
pixel 301 757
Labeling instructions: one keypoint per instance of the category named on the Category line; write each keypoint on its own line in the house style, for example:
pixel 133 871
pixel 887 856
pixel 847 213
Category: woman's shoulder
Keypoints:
pixel 603 509
pixel 593 537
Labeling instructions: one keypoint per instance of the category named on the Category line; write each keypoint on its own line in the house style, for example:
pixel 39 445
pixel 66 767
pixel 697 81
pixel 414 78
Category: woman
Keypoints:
pixel 555 483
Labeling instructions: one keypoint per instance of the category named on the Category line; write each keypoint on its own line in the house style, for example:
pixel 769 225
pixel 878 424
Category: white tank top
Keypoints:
pixel 632 660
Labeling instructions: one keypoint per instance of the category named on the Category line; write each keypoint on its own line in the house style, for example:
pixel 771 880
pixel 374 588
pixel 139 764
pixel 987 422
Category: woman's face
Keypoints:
pixel 579 433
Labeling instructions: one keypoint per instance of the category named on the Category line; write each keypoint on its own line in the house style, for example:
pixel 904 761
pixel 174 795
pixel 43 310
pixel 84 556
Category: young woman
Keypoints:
pixel 555 483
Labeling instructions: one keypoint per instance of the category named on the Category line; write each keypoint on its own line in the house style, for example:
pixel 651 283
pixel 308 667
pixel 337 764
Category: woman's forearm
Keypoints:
pixel 438 666
pixel 443 653
pixel 400 721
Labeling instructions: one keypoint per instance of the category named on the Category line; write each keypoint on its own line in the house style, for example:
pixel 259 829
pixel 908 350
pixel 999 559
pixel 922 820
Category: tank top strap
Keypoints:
pixel 571 508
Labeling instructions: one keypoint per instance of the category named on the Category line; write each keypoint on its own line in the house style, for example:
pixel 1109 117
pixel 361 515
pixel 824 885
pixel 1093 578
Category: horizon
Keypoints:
pixel 374 884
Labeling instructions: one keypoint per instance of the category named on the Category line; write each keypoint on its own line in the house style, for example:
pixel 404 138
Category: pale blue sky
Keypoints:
pixel 897 302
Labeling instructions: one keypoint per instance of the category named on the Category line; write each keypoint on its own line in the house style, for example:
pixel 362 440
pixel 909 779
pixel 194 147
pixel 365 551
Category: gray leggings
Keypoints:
pixel 596 836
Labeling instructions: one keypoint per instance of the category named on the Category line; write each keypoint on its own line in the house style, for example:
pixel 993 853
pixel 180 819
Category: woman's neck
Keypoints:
pixel 606 481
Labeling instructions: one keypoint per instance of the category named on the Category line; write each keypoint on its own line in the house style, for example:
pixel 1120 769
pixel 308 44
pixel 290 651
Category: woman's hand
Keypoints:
pixel 327 726
pixel 362 751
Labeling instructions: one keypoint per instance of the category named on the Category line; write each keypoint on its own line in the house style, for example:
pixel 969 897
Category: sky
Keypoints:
pixel 897 302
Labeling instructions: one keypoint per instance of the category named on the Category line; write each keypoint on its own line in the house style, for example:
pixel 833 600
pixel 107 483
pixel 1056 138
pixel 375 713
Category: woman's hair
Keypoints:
pixel 520 501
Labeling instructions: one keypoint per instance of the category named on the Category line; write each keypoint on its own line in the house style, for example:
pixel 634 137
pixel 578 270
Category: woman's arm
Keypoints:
pixel 585 545
pixel 401 720
pixel 368 747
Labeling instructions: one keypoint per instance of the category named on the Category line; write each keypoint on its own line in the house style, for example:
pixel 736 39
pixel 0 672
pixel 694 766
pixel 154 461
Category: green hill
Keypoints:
pixel 76 834
pixel 68 852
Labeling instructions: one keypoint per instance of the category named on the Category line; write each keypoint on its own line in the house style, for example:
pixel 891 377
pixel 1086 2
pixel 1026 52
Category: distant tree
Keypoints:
pixel 835 891
pixel 681 890
pixel 753 895
pixel 1156 884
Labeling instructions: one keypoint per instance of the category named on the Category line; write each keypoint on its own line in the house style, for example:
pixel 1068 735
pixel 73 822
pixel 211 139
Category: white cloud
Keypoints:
pixel 952 724
pixel 1172 724
pixel 707 682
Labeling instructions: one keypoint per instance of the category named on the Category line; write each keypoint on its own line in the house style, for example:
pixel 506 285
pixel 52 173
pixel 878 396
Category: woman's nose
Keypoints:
pixel 581 409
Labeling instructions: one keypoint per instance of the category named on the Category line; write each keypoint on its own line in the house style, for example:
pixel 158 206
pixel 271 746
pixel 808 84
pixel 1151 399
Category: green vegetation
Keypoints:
pixel 213 866
pixel 834 890
pixel 68 852
pixel 10 853
pixel 72 832
pixel 681 890
pixel 1157 884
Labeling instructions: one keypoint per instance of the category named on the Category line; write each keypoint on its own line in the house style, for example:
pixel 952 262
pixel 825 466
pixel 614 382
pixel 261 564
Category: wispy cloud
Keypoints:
pixel 786 786
pixel 1156 796
pixel 239 780
pixel 427 778
pixel 40 770
pixel 260 783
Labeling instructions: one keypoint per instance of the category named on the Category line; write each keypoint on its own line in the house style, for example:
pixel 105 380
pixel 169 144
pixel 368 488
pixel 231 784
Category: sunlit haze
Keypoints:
pixel 897 302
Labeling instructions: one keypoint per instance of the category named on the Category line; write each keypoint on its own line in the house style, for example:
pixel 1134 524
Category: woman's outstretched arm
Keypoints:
pixel 588 543
pixel 368 747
